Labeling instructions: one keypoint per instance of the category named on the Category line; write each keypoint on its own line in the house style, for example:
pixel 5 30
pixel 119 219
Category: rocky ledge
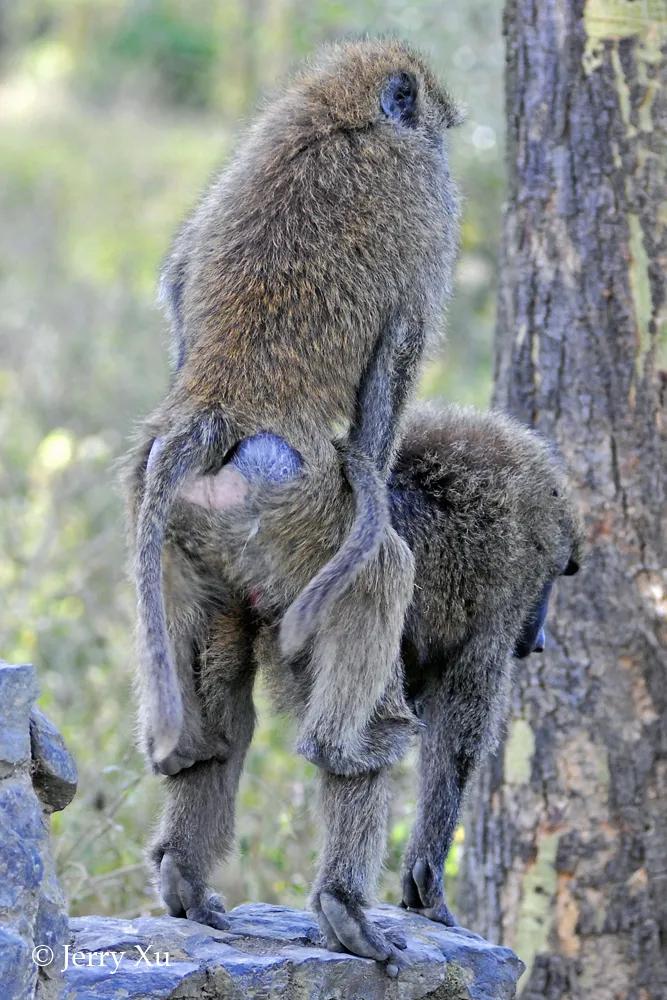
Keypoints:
pixel 272 951
pixel 268 951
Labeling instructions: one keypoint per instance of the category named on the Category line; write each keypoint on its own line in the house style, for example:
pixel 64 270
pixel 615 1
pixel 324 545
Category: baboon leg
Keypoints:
pixel 187 616
pixel 197 825
pixel 354 815
pixel 355 663
pixel 459 709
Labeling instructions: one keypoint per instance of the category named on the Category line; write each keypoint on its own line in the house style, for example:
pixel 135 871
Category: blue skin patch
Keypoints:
pixel 266 457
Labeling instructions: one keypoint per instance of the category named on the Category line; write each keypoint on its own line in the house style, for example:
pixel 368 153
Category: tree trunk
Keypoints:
pixel 566 833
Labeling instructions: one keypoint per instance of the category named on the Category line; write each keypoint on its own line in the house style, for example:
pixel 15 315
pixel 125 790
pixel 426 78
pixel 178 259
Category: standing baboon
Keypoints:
pixel 325 246
pixel 487 513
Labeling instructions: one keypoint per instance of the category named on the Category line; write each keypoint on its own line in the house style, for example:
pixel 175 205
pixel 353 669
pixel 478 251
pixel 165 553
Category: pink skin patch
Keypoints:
pixel 227 488
pixel 255 597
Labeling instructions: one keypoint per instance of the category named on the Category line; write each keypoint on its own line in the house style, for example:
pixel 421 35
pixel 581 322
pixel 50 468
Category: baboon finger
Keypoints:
pixel 421 873
pixel 172 764
pixel 421 894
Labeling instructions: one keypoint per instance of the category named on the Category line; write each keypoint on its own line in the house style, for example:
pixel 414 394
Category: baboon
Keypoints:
pixel 325 247
pixel 487 512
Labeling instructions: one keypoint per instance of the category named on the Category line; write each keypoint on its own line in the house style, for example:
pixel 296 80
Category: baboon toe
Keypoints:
pixel 209 916
pixel 185 896
pixel 345 927
pixel 441 914
pixel 216 902
pixel 397 938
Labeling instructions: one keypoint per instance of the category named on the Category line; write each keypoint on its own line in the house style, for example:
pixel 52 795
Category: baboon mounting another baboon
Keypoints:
pixel 325 247
pixel 487 513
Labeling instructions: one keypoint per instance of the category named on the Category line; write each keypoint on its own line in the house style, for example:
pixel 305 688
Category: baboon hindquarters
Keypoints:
pixel 227 555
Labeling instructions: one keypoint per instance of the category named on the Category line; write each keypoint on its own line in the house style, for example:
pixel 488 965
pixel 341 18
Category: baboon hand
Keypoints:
pixel 187 753
pixel 423 893
pixel 345 927
pixel 381 744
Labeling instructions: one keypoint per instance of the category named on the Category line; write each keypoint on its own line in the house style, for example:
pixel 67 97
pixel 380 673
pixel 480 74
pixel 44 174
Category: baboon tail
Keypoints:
pixel 371 517
pixel 171 459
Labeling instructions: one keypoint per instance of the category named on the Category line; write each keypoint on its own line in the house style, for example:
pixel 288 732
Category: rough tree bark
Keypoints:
pixel 566 833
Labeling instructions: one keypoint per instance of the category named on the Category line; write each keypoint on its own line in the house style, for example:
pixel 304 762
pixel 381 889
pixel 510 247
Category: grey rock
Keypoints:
pixel 51 930
pixel 22 840
pixel 54 774
pixel 32 907
pixel 17 972
pixel 272 951
pixel 18 690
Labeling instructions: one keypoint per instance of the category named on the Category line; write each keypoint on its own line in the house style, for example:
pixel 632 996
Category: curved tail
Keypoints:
pixel 371 516
pixel 171 459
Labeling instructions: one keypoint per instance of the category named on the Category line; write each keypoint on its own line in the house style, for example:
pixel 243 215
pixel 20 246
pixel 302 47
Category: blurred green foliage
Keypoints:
pixel 112 116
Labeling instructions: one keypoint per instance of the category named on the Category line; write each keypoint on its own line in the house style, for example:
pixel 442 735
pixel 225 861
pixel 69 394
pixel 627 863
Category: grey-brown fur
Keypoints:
pixel 331 232
pixel 489 518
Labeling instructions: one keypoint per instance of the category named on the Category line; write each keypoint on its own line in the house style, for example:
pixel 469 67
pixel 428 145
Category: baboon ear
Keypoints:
pixel 398 99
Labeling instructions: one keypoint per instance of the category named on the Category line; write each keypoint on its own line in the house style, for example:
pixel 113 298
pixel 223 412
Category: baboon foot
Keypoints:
pixel 187 753
pixel 380 744
pixel 345 927
pixel 422 893
pixel 184 898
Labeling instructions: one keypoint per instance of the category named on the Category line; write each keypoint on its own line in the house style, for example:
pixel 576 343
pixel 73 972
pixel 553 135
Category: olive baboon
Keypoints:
pixel 487 513
pixel 325 245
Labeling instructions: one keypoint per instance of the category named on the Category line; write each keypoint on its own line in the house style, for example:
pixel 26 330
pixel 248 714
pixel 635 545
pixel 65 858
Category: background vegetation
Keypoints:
pixel 112 116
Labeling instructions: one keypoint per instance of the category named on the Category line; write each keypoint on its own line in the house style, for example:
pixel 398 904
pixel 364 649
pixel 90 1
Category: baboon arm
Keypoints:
pixel 460 709
pixel 442 775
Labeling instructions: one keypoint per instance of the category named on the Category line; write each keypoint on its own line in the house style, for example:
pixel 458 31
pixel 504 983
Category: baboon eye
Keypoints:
pixel 398 99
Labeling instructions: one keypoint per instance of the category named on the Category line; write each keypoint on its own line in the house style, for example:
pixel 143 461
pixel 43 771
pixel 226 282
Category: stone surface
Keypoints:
pixel 18 690
pixel 17 973
pixel 271 951
pixel 54 774
pixel 21 843
pixel 36 777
